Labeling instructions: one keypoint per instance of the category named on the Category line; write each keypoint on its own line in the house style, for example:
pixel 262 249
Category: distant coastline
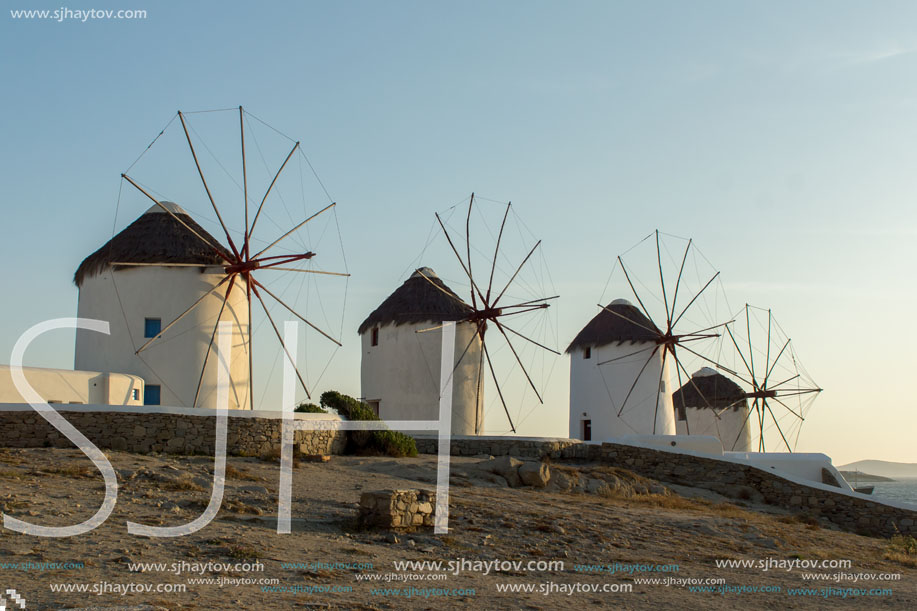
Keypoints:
pixel 859 477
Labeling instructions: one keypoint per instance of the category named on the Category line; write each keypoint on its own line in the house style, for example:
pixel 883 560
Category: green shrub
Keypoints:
pixel 390 443
pixel 309 408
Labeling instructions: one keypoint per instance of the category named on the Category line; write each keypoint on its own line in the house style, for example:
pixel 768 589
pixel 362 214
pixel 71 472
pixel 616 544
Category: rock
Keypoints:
pixel 562 481
pixel 253 489
pixel 506 467
pixel 597 486
pixel 391 538
pixel 535 474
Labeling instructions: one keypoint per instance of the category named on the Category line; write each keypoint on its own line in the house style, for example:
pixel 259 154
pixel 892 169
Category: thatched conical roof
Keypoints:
pixel 417 300
pixel 709 388
pixel 626 324
pixel 155 237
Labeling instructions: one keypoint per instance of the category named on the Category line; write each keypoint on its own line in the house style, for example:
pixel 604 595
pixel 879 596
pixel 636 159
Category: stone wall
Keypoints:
pixel 407 509
pixel 521 447
pixel 163 432
pixel 851 512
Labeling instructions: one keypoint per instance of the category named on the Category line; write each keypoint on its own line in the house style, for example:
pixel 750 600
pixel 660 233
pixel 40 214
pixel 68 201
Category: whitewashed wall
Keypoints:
pixel 65 386
pixel 730 428
pixel 402 373
pixel 598 392
pixel 175 360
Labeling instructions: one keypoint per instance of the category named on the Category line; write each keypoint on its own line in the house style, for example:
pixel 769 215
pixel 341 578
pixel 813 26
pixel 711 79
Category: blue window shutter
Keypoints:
pixel 151 394
pixel 152 327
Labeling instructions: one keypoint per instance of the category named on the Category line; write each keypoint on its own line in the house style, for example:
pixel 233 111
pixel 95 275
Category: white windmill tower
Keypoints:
pixel 712 404
pixel 624 362
pixel 141 280
pixel 622 335
pixel 400 368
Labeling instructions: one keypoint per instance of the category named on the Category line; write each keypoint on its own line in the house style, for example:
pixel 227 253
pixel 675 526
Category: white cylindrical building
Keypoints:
pixel 616 375
pixel 140 281
pixel 400 368
pixel 712 404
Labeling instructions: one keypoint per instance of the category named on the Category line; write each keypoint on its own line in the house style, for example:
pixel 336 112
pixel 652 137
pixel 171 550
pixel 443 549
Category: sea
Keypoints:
pixel 900 490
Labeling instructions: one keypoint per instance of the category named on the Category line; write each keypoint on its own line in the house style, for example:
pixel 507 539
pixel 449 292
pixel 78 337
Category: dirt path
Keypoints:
pixel 680 539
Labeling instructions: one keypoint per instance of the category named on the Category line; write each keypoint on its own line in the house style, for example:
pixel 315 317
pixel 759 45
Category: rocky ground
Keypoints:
pixel 589 518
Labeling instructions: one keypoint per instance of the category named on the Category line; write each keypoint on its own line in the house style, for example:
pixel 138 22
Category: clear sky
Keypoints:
pixel 780 136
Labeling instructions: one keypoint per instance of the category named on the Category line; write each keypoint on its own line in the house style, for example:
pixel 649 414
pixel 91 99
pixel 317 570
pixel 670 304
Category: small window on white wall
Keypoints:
pixel 374 337
pixel 587 352
pixel 135 394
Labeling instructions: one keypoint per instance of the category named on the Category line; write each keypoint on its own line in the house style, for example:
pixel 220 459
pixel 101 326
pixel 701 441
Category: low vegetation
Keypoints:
pixel 309 408
pixel 903 550
pixel 389 443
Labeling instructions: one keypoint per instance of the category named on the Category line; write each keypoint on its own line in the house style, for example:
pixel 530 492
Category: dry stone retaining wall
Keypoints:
pixel 163 432
pixel 853 513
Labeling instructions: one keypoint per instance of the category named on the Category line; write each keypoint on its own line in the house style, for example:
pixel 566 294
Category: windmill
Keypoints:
pixel 759 353
pixel 508 297
pixel 279 247
pixel 627 352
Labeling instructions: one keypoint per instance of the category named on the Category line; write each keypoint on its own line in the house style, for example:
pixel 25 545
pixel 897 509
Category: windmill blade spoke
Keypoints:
pixel 282 343
pixel 530 309
pixel 284 236
pixel 695 338
pixel 216 325
pixel 745 423
pixel 186 312
pixel 245 243
pixel 436 286
pixel 788 408
pixel 684 406
pixel 497 384
pixel 751 354
pixel 519 360
pixel 693 299
pixel 680 271
pixel 659 387
pixel 751 372
pixel 251 348
pixel 468 248
pixel 619 315
pixel 516 273
pixel 292 311
pixel 528 339
pixel 774 364
pixel 474 287
pixel 251 230
pixel 621 358
pixel 307 271
pixel 680 366
pixel 665 299
pixel 636 380
pixel 767 357
pixel 634 290
pixel 775 386
pixel 799 391
pixel 717 365
pixel 699 331
pixel 777 424
pixel 530 302
pixel 218 251
pixel 493 267
pixel 200 172
pixel 478 387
